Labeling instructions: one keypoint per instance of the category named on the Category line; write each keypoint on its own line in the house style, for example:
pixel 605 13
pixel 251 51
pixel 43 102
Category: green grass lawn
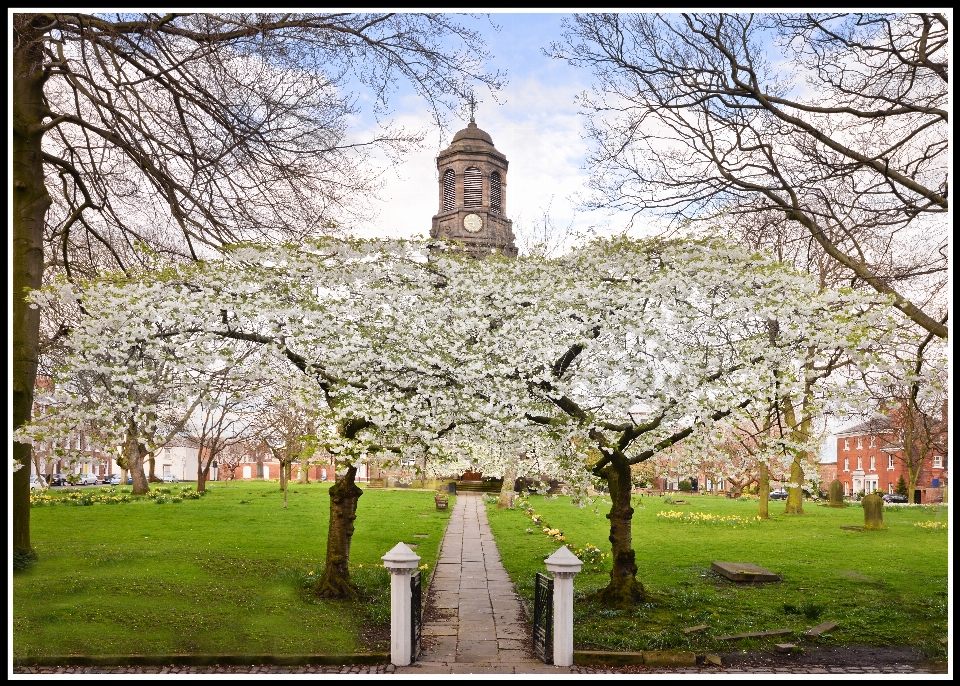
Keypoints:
pixel 224 574
pixel 882 588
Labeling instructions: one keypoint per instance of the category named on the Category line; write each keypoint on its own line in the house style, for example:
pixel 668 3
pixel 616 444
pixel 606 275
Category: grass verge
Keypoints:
pixel 881 588
pixel 225 574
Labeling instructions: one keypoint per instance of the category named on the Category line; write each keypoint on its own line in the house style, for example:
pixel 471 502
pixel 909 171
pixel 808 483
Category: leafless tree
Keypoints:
pixel 183 132
pixel 914 405
pixel 288 432
pixel 828 129
pixel 222 418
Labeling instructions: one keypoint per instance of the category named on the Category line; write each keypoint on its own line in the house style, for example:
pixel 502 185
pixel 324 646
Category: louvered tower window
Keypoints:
pixel 449 190
pixel 495 192
pixel 472 187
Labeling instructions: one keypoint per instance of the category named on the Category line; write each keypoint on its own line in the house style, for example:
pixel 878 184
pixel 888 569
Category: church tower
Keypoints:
pixel 473 195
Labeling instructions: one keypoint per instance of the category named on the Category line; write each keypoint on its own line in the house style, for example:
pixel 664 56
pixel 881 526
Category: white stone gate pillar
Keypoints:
pixel 564 565
pixel 401 561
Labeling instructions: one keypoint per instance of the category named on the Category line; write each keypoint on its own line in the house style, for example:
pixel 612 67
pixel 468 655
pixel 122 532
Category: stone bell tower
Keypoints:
pixel 473 195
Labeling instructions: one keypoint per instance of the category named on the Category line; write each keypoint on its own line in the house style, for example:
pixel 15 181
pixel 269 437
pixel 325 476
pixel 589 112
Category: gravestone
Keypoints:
pixel 873 512
pixel 836 494
pixel 743 571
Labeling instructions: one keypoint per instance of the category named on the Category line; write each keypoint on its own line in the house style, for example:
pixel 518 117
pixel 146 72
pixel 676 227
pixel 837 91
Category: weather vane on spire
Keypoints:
pixel 473 106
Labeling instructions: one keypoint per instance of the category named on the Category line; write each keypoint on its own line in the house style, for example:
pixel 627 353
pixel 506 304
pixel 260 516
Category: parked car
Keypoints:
pixel 115 480
pixel 58 479
pixel 36 483
pixel 170 479
pixel 87 480
pixel 778 494
pixel 894 498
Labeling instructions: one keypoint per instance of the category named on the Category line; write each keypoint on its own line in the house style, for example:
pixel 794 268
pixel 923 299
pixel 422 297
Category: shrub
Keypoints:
pixel 901 487
pixel 685 486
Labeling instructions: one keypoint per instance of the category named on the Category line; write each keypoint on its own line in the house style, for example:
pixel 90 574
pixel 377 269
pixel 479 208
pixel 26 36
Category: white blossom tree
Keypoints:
pixel 417 345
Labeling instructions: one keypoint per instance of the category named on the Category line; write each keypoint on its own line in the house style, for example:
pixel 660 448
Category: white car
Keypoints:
pixel 36 483
pixel 170 479
pixel 87 480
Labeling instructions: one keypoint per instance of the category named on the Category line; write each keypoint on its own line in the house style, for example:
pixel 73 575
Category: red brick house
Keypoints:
pixel 870 458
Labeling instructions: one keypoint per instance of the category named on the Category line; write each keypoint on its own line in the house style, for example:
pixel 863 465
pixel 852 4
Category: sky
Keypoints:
pixel 536 124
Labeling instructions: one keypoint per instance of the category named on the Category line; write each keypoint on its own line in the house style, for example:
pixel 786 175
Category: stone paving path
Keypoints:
pixel 480 628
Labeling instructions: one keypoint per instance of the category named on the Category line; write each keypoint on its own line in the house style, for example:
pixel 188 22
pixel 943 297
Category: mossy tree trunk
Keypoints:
pixel 335 580
pixel 795 493
pixel 763 490
pixel 136 456
pixel 623 589
pixel 506 490
pixel 30 204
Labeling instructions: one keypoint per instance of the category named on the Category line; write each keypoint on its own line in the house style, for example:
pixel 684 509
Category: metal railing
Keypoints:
pixel 416 616
pixel 543 618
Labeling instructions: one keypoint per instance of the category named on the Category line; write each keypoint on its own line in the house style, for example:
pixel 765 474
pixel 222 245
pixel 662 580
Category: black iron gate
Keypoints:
pixel 543 618
pixel 416 616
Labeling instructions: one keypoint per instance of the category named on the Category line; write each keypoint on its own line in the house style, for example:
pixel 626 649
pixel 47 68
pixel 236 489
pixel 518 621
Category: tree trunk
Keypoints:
pixel 335 581
pixel 153 469
pixel 203 473
pixel 623 590
pixel 30 204
pixel 304 477
pixel 135 459
pixel 506 490
pixel 763 490
pixel 795 494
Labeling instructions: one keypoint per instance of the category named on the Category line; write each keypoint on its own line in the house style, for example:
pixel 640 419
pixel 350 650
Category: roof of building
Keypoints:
pixel 472 139
pixel 182 441
pixel 872 426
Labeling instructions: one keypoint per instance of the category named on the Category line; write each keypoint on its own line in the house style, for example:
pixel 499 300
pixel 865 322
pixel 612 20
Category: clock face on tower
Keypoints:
pixel 472 223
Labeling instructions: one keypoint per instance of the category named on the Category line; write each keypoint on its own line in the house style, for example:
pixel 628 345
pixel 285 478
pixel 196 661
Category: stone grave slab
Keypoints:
pixel 692 629
pixel 743 571
pixel 756 634
pixel 820 629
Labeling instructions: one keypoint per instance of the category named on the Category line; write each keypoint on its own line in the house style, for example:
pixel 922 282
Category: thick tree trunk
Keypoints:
pixel 763 511
pixel 153 469
pixel 30 204
pixel 203 473
pixel 623 590
pixel 135 460
pixel 506 490
pixel 335 581
pixel 304 476
pixel 795 494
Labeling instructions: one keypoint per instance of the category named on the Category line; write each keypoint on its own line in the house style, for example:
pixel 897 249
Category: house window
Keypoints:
pixel 846 488
pixel 846 444
pixel 859 463
pixel 859 441
pixel 938 461
pixel 873 441
pixel 873 463
pixel 890 464
pixel 889 488
pixel 846 464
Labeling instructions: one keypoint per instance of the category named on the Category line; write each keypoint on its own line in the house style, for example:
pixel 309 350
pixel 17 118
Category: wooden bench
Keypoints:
pixel 441 500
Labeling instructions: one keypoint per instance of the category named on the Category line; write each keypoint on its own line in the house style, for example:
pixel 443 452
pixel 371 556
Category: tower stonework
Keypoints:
pixel 473 195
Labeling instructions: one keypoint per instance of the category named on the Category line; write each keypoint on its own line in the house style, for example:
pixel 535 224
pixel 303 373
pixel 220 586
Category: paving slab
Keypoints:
pixel 482 630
